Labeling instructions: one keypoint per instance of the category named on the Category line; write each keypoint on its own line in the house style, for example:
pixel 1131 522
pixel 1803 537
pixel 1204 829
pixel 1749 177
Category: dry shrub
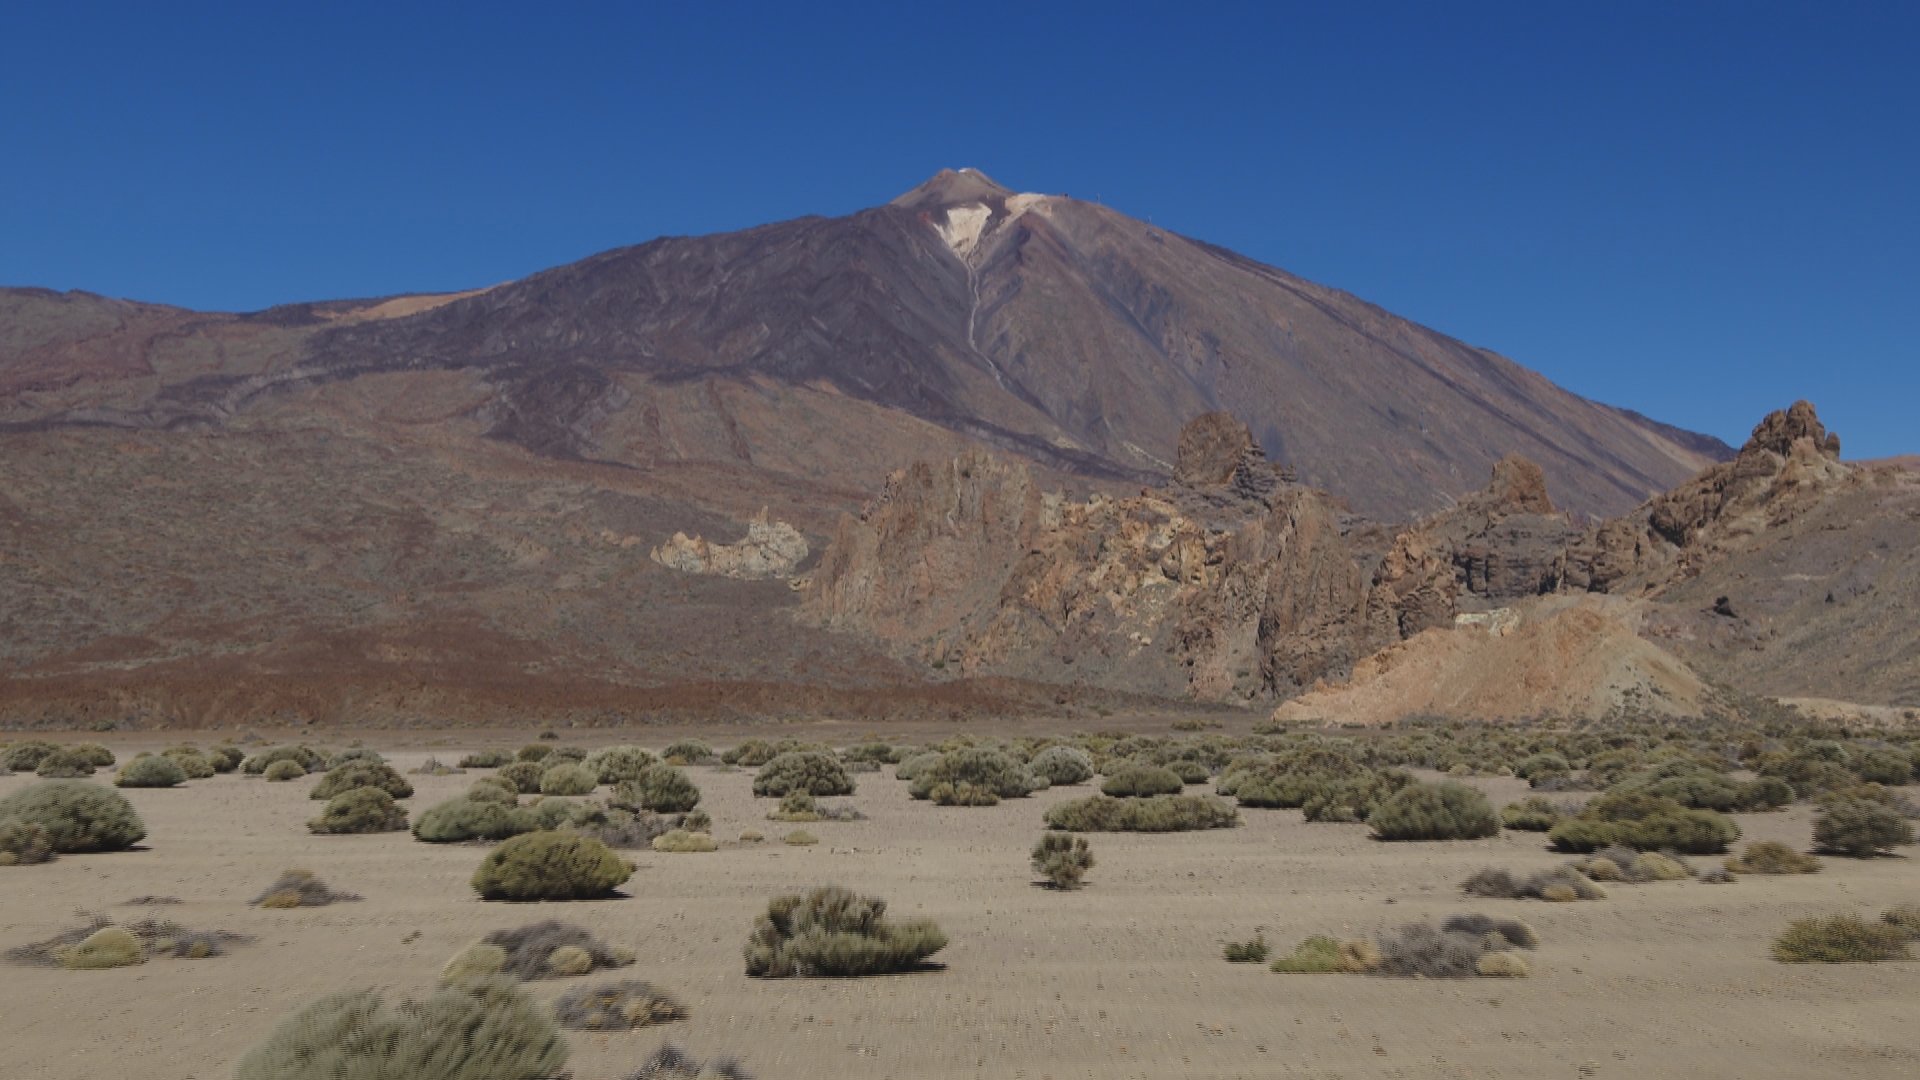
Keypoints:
pixel 1860 828
pixel 476 1029
pixel 1062 765
pixel 150 771
pixel 619 1006
pixel 1905 918
pixel 799 838
pixel 1253 951
pixel 360 810
pixel 568 778
pixel 1062 859
pixel 433 766
pixel 796 806
pixel 1840 939
pixel 973 776
pixel 1161 813
pixel 529 949
pixel 486 759
pixel 102 943
pixel 683 842
pixel 811 771
pixel 109 947
pixel 1503 965
pixel 1513 932
pixel 299 888
pixel 620 828
pixel 672 1063
pixel 831 931
pixel 474 962
pixel 1772 857
pixel 1323 955
pixel 659 788
pixel 284 770
pixel 1139 781
pixel 1444 811
pixel 617 765
pixel 359 774
pixel 1561 884
pixel 23 843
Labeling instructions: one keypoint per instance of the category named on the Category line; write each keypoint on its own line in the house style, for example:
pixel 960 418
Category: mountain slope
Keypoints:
pixel 1058 329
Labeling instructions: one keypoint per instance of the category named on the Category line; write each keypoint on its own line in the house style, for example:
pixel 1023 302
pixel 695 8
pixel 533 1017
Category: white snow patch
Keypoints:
pixel 961 230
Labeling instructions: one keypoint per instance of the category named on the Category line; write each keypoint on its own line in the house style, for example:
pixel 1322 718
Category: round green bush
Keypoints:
pixel 1062 765
pixel 534 752
pixel 486 759
pixel 283 770
pixel 523 775
pixel 1443 811
pixel 1645 823
pixel 23 843
pixel 150 771
pixel 548 865
pixel 365 755
pixel 660 788
pixel 27 756
pixel 811 771
pixel 493 789
pixel 225 758
pixel 191 762
pixel 618 764
pixel 1860 828
pixel 971 774
pixel 459 820
pixel 1139 781
pixel 64 764
pixel 480 1028
pixel 690 751
pixel 1839 939
pixel 310 760
pixel 77 816
pixel 567 779
pixel 360 810
pixel 356 774
pixel 1160 813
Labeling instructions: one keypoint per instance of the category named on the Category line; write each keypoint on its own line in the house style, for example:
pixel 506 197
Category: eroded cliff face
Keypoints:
pixel 1233 584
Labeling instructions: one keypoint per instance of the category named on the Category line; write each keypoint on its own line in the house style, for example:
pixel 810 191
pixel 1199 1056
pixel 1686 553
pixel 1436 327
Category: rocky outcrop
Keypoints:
pixel 771 549
pixel 1790 464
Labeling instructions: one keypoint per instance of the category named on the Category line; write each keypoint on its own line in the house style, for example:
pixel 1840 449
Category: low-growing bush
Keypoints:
pixel 697 821
pixel 1140 781
pixel 360 810
pixel 660 788
pixel 617 765
pixel 23 843
pixel 690 751
pixel 811 771
pixel 1161 813
pixel 751 754
pixel 528 952
pixel 799 838
pixel 76 815
pixel 150 771
pixel 1322 955
pixel 191 762
pixel 1252 951
pixel 1062 859
pixel 65 764
pixel 1905 918
pixel 618 828
pixel 472 1029
pixel 110 947
pixel 309 759
pixel 796 806
pixel 523 775
pixel 1561 884
pixel 684 842
pixel 1512 932
pixel 1536 813
pixel 358 774
pixel 1061 765
pixel 1860 828
pixel 913 765
pixel 1419 949
pixel 1839 939
pixel 27 756
pixel 1772 857
pixel 549 865
pixel 1625 864
pixel 672 1063
pixel 833 932
pixel 433 766
pixel 477 961
pixel 465 818
pixel 1645 823
pixel 1443 811
pixel 973 776
pixel 619 1006
pixel 534 752
pixel 226 758
pixel 284 770
pixel 486 759
pixel 300 888
pixel 568 779
pixel 148 938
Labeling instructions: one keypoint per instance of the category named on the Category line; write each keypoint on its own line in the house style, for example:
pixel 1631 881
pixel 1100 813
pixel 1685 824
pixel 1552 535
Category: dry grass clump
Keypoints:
pixel 547 865
pixel 1633 867
pixel 476 961
pixel 1252 951
pixel 528 951
pixel 1562 884
pixel 299 888
pixel 101 943
pixel 1772 857
pixel 1419 949
pixel 684 842
pixel 476 1029
pixel 672 1063
pixel 1161 813
pixel 799 838
pixel 1840 939
pixel 76 816
pixel 1062 859
pixel 619 1006
pixel 1322 955
pixel 833 932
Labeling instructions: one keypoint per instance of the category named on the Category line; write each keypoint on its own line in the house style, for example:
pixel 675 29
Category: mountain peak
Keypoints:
pixel 952 187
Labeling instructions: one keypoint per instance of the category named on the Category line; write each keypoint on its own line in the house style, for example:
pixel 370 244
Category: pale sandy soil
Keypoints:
pixel 1121 979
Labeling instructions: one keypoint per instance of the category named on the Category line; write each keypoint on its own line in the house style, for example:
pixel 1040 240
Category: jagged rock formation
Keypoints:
pixel 770 549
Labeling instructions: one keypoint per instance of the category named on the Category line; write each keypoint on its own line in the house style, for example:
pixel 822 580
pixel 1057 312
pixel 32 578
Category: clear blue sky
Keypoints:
pixel 1698 210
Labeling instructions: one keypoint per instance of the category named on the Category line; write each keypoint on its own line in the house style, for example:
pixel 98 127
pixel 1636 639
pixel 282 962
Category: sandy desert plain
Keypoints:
pixel 1121 978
